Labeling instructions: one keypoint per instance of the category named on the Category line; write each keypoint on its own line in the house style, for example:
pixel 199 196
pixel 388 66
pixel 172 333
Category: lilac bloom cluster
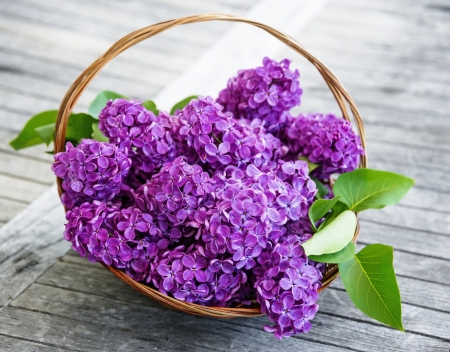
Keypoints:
pixel 91 171
pixel 287 287
pixel 210 205
pixel 144 137
pixel 264 93
pixel 220 140
pixel 326 140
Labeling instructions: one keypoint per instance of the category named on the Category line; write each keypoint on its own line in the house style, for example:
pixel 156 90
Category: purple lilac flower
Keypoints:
pixel 287 287
pixel 91 171
pixel 326 140
pixel 210 205
pixel 264 93
pixel 220 140
pixel 123 119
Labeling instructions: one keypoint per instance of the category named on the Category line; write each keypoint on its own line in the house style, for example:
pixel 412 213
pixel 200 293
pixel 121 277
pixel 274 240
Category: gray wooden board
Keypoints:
pixel 75 275
pixel 43 48
pixel 30 244
pixel 142 328
pixel 97 309
pixel 13 344
pixel 411 289
pixel 9 208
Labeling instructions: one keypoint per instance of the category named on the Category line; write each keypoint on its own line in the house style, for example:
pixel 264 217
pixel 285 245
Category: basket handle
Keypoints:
pixel 78 87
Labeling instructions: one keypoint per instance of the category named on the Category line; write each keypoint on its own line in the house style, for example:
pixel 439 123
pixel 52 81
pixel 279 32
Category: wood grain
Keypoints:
pixel 391 56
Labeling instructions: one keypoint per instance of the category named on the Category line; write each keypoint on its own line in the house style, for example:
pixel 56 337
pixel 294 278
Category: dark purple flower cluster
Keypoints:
pixel 287 287
pixel 219 140
pixel 326 140
pixel 145 138
pixel 263 93
pixel 91 171
pixel 210 205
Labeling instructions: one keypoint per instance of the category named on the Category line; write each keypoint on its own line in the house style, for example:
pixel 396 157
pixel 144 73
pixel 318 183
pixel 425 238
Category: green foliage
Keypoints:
pixel 322 190
pixel 97 134
pixel 319 208
pixel 333 237
pixel 28 136
pixel 364 189
pixel 79 127
pixel 100 102
pixel 337 209
pixel 46 133
pixel 181 104
pixel 150 106
pixel 369 279
pixel 341 256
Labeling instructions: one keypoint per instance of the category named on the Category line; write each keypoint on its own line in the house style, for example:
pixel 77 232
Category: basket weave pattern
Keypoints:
pixel 69 101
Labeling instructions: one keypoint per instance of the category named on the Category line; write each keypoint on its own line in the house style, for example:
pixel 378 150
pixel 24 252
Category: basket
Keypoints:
pixel 343 99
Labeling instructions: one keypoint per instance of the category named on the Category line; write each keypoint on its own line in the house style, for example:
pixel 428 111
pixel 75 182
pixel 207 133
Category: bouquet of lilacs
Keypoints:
pixel 227 202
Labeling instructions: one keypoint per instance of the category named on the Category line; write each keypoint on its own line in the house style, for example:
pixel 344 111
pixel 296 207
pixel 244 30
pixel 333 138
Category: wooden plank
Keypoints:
pixel 412 155
pixel 374 112
pixel 69 52
pixel 65 75
pixel 410 288
pixel 9 209
pixel 132 317
pixel 414 265
pixel 26 18
pixel 415 319
pixel 417 219
pixel 16 166
pixel 412 293
pixel 153 76
pixel 427 199
pixel 425 178
pixel 128 18
pixel 14 344
pixel 29 244
pixel 405 239
pixel 136 327
pixel 394 100
pixel 17 189
pixel 198 77
pixel 76 276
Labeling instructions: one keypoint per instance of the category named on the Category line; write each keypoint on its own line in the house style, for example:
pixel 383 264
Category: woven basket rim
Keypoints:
pixel 71 97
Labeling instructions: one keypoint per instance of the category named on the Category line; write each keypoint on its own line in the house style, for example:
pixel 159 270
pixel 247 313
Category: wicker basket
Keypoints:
pixel 73 94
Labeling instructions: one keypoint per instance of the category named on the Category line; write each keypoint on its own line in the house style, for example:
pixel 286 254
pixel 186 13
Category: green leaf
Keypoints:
pixel 333 237
pixel 181 104
pixel 28 136
pixel 364 189
pixel 343 255
pixel 311 166
pixel 100 102
pixel 79 127
pixel 322 190
pixel 97 134
pixel 319 208
pixel 370 282
pixel 335 211
pixel 150 106
pixel 46 133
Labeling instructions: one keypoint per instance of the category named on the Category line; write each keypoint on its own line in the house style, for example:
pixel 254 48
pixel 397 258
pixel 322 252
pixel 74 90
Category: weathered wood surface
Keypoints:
pixel 392 57
pixel 44 46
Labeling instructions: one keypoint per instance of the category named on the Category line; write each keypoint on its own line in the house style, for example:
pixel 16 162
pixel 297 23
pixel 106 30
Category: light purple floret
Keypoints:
pixel 91 171
pixel 326 140
pixel 263 93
